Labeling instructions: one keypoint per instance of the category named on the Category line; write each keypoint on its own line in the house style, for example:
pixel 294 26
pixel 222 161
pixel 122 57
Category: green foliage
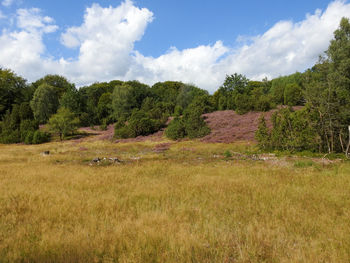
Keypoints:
pixel 303 164
pixel 195 125
pixel 12 88
pixel 28 126
pixel 176 129
pixel 71 100
pixel 25 111
pixel 292 95
pixel 292 131
pixel 10 127
pixel 243 103
pixel 40 137
pixel 60 84
pixel 166 91
pixel 262 134
pixel 192 124
pixel 44 102
pixel 29 137
pixel 178 111
pixel 235 82
pixel 104 107
pixel 139 124
pixel 187 94
pixel 227 154
pixel 123 101
pixel 64 122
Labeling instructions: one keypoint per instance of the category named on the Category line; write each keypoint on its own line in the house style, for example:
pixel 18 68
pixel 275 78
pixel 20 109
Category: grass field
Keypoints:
pixel 187 204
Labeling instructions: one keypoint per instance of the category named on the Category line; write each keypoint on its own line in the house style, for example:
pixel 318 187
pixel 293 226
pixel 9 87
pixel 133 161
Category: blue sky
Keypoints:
pixel 156 40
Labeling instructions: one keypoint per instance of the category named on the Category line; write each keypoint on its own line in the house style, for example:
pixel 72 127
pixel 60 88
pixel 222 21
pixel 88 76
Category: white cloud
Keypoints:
pixel 23 50
pixel 285 48
pixel 31 20
pixel 105 41
pixel 197 65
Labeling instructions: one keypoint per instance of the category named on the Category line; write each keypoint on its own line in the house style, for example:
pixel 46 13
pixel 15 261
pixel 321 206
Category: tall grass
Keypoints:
pixel 183 205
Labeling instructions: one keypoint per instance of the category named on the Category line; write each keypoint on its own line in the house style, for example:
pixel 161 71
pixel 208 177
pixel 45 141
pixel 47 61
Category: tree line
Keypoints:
pixel 140 109
pixel 134 107
pixel 323 123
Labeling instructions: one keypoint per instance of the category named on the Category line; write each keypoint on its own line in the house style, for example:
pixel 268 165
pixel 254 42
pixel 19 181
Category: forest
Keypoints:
pixel 320 125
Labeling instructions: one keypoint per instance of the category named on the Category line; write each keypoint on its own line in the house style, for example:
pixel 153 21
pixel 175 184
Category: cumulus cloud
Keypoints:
pixel 285 48
pixel 106 40
pixel 23 50
pixel 105 43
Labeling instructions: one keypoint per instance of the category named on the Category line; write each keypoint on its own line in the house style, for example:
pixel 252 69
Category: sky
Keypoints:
pixel 196 41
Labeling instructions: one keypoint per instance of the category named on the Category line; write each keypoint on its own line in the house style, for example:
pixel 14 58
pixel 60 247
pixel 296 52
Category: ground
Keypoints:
pixel 93 200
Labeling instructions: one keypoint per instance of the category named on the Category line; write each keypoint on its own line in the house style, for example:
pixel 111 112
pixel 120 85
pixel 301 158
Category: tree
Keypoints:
pixel 71 100
pixel 176 129
pixel 262 135
pixel 44 102
pixel 11 90
pixel 292 94
pixel 63 122
pixel 60 83
pixel 104 106
pixel 235 82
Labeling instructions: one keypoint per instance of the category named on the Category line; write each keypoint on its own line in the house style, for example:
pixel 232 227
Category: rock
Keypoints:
pixel 45 153
pixel 115 160
pixel 96 160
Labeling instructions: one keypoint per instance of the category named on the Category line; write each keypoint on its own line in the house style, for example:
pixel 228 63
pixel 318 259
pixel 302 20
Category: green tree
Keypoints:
pixel 12 88
pixel 60 84
pixel 176 129
pixel 44 102
pixel 64 122
pixel 71 100
pixel 292 94
pixel 262 135
pixel 104 106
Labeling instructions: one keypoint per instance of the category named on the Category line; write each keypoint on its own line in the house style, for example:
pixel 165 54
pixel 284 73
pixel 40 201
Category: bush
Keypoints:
pixel 139 123
pixel 28 126
pixel 29 137
pixel 10 137
pixel 194 124
pixel 123 132
pixel 227 154
pixel 40 137
pixel 262 135
pixel 176 129
pixel 191 125
pixel 104 125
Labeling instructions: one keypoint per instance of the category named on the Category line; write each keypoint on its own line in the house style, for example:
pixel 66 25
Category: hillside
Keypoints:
pixel 226 127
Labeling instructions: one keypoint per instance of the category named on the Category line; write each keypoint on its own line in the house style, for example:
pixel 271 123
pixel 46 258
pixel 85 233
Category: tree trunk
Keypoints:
pixel 341 141
pixel 348 147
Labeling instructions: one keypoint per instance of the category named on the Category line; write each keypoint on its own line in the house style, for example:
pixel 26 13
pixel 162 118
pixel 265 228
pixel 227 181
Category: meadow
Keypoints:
pixel 195 202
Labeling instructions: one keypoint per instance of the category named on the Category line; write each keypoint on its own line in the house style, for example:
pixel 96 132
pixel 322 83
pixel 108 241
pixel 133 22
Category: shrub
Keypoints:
pixel 194 124
pixel 176 129
pixel 29 137
pixel 10 137
pixel 262 135
pixel 104 125
pixel 228 154
pixel 123 132
pixel 26 127
pixel 40 137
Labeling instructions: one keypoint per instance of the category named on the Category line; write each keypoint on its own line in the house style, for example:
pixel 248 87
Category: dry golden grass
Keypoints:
pixel 183 205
